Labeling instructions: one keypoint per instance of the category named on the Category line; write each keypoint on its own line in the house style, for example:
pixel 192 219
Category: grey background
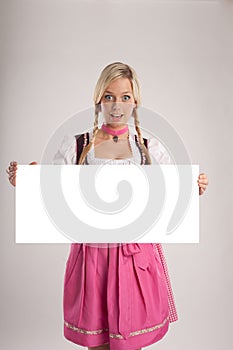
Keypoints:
pixel 52 53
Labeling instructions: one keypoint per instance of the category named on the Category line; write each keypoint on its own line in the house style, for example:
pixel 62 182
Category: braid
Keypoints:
pixel 95 130
pixel 141 141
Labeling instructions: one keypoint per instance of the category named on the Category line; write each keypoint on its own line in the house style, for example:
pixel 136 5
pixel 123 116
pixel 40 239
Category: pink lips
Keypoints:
pixel 116 116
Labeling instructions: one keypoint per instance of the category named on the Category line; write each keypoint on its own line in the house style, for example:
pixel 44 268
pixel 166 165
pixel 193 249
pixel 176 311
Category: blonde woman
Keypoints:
pixel 116 297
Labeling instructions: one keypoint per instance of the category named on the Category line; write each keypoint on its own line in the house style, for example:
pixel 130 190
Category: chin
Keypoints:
pixel 116 124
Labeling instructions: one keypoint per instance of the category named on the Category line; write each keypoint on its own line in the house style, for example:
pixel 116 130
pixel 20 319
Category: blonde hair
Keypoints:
pixel 110 73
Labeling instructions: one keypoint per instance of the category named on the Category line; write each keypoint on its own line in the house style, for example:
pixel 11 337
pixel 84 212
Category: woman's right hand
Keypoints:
pixel 11 171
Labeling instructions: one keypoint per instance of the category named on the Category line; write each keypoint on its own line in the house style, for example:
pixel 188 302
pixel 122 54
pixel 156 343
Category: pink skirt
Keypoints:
pixel 117 294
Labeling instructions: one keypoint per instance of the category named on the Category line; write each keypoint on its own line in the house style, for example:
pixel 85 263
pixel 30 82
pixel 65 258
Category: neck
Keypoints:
pixel 116 126
pixel 109 130
pixel 115 133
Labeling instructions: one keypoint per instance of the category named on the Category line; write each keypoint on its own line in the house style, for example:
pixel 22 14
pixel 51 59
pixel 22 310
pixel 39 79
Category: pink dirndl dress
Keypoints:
pixel 119 294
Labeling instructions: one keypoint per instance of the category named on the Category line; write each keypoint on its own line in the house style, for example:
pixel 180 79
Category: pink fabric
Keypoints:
pixel 109 294
pixel 173 316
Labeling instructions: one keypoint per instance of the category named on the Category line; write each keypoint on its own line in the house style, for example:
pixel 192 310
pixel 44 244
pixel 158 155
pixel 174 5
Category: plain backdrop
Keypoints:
pixel 52 52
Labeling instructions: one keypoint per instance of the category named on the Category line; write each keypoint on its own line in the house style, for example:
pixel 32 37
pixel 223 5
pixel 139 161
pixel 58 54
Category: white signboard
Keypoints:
pixel 108 203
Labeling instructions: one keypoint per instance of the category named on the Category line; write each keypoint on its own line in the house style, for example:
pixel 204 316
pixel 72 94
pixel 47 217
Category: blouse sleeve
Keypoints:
pixel 158 153
pixel 66 153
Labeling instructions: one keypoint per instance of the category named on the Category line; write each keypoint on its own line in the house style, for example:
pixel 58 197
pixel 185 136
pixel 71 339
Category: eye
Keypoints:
pixel 126 97
pixel 108 97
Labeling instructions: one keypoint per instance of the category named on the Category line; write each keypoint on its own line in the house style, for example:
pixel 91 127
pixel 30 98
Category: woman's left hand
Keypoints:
pixel 202 183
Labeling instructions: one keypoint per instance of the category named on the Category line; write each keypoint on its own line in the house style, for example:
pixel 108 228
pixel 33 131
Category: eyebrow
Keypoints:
pixel 126 92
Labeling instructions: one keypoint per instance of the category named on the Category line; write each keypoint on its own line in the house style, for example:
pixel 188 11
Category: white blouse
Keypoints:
pixel 66 153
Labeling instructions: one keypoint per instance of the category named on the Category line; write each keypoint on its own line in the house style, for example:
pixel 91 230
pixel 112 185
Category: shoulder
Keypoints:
pixel 158 151
pixel 68 144
pixel 66 151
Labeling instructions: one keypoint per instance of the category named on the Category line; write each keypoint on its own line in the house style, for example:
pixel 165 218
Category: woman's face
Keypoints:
pixel 117 103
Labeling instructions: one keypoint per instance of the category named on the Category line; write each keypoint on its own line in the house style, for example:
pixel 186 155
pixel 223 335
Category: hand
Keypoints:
pixel 202 183
pixel 11 171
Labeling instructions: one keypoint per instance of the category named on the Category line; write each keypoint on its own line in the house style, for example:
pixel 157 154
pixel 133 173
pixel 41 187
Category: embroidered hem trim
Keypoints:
pixel 119 336
pixel 84 331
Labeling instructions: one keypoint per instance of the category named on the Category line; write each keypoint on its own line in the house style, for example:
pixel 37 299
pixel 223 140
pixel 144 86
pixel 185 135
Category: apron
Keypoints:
pixel 117 294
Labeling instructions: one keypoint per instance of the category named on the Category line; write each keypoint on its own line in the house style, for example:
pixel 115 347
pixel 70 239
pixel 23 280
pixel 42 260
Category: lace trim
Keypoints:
pixel 84 331
pixel 91 159
pixel 112 335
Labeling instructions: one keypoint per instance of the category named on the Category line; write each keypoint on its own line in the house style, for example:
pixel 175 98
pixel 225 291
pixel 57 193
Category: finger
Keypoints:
pixel 203 186
pixel 13 168
pixel 204 182
pixel 13 182
pixel 203 178
pixel 201 191
pixel 200 184
pixel 12 173
pixel 13 163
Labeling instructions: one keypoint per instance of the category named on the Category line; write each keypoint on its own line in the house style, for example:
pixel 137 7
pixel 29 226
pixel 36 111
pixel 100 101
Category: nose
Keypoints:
pixel 116 106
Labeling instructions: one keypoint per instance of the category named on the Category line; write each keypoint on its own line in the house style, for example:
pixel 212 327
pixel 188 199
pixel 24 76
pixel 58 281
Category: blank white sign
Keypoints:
pixel 115 203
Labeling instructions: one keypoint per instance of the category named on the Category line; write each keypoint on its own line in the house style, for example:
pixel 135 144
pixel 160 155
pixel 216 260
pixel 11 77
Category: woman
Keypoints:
pixel 115 296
